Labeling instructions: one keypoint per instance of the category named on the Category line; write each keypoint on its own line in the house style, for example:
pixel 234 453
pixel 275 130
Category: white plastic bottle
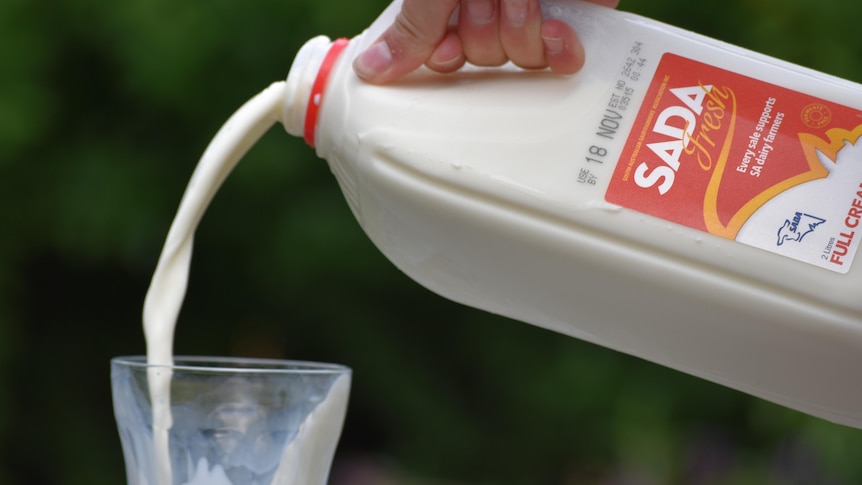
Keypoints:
pixel 680 199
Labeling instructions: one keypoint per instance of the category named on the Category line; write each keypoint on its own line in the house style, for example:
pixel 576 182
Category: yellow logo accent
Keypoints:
pixel 836 138
pixel 710 200
pixel 811 144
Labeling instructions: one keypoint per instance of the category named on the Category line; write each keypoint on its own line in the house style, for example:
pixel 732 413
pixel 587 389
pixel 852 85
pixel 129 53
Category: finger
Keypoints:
pixel 478 28
pixel 520 26
pixel 417 30
pixel 563 51
pixel 448 56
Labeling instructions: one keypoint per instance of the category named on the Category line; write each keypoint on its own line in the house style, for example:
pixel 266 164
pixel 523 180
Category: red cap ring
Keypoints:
pixel 316 96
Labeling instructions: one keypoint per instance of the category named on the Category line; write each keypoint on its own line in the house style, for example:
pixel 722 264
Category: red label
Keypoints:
pixel 710 147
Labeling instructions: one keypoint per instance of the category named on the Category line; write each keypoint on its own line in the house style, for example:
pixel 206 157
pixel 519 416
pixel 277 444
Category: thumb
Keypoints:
pixel 411 39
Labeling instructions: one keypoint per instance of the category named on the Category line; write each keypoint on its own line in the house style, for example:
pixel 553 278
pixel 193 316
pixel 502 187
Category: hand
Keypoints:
pixel 484 33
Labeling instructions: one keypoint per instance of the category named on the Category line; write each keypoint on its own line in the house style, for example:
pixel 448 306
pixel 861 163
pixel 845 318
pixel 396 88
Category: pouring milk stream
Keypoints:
pixel 680 199
pixel 167 290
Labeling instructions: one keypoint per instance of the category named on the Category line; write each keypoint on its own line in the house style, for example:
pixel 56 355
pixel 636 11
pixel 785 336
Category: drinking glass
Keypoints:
pixel 228 421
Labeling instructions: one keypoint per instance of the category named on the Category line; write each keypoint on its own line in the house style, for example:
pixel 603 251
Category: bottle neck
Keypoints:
pixel 306 85
pixel 310 65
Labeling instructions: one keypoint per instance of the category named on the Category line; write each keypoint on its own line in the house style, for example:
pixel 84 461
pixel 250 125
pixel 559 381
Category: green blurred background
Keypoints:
pixel 104 110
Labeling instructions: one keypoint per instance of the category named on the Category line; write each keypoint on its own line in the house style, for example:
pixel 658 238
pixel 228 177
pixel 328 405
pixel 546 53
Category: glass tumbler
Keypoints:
pixel 228 421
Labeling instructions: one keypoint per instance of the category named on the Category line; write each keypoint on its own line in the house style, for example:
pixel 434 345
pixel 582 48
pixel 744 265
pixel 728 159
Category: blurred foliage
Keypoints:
pixel 104 109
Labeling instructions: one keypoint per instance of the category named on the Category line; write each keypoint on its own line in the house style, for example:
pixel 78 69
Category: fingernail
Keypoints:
pixel 515 12
pixel 374 61
pixel 480 11
pixel 447 57
pixel 554 46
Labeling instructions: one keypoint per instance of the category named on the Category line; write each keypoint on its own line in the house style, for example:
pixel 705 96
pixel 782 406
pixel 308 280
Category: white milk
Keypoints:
pixel 680 199
pixel 168 286
pixel 306 458
pixel 313 443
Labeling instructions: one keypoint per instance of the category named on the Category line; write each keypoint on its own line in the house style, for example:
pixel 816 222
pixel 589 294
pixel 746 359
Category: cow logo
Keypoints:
pixel 798 227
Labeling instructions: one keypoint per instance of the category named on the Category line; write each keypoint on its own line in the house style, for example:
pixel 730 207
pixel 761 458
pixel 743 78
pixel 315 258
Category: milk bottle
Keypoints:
pixel 680 199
